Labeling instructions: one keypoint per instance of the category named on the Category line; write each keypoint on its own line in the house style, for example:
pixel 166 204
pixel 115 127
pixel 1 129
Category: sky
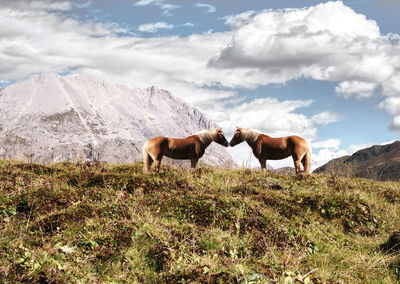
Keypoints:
pixel 328 71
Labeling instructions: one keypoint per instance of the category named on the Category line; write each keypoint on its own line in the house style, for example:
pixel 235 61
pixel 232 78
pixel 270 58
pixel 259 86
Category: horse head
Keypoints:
pixel 220 138
pixel 237 137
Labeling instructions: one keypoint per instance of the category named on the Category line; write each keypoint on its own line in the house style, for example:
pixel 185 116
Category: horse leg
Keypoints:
pixel 263 163
pixel 306 161
pixel 296 161
pixel 193 163
pixel 147 161
pixel 157 165
pixel 157 162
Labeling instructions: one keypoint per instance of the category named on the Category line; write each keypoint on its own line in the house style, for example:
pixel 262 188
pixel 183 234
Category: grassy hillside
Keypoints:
pixel 100 223
pixel 378 162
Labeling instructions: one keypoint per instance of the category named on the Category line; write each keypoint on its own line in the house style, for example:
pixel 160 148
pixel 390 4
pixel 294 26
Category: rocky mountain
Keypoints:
pixel 52 118
pixel 379 162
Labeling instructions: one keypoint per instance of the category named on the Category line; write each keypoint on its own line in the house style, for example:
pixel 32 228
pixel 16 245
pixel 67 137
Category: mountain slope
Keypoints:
pixel 51 118
pixel 379 162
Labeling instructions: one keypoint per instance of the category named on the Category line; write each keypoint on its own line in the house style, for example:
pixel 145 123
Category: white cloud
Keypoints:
pixel 143 2
pixel 210 8
pixel 188 25
pixel 271 116
pixel 329 144
pixel 239 20
pixel 44 5
pixel 83 5
pixel 391 105
pixel 165 7
pixel 395 125
pixel 38 5
pixel 357 88
pixel 325 118
pixel 275 46
pixel 306 42
pixel 37 42
pixel 392 86
pixel 266 57
pixel 154 27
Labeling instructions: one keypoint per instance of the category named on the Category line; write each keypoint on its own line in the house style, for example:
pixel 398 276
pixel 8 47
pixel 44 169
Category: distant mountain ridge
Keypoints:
pixel 379 162
pixel 52 118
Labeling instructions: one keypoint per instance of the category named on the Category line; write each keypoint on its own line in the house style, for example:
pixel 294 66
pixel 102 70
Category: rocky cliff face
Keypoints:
pixel 52 118
pixel 380 162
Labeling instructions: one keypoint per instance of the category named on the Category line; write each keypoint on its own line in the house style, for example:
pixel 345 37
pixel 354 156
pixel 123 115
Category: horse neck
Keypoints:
pixel 206 137
pixel 250 136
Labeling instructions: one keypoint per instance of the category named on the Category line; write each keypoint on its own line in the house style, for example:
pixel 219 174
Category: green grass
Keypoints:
pixel 95 223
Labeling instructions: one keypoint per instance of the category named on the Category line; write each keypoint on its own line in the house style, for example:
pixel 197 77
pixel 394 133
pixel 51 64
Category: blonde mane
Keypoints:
pixel 250 135
pixel 207 136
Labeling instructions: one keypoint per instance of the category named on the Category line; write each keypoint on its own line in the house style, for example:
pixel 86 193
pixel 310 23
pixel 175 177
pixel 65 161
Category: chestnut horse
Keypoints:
pixel 268 148
pixel 190 148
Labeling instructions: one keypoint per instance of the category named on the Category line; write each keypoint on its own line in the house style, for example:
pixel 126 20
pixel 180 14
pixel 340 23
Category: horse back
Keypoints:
pixel 298 142
pixel 181 143
pixel 156 145
pixel 176 148
pixel 279 148
pixel 185 148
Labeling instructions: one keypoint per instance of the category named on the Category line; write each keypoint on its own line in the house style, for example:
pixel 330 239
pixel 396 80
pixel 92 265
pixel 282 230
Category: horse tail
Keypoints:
pixel 147 160
pixel 306 161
